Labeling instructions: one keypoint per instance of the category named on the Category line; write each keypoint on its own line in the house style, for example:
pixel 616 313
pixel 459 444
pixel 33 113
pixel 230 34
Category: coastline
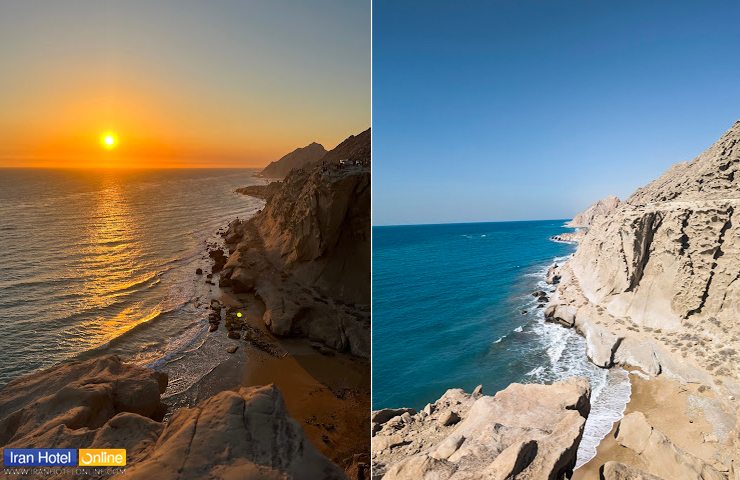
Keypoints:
pixel 662 401
pixel 624 345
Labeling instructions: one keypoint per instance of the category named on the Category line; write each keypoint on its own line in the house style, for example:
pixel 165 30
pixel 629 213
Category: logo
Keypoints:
pixel 40 457
pixel 106 457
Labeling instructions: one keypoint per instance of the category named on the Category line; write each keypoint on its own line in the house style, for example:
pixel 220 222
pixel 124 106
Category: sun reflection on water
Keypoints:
pixel 113 264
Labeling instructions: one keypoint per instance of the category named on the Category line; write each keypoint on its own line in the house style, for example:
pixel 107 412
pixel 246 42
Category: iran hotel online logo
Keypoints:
pixel 64 457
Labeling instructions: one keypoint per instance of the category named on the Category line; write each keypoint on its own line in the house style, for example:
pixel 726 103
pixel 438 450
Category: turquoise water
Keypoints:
pixel 447 313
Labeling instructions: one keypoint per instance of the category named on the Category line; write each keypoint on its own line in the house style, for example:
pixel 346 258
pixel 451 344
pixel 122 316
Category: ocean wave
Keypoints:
pixel 565 356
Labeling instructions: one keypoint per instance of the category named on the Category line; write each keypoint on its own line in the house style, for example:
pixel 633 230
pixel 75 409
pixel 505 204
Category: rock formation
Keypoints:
pixel 356 148
pixel 264 192
pixel 620 471
pixel 103 403
pixel 297 159
pixel 306 255
pixel 601 208
pixel 658 454
pixel 524 432
pixel 97 404
pixel 656 283
pixel 244 434
pixel 570 237
pixel 663 267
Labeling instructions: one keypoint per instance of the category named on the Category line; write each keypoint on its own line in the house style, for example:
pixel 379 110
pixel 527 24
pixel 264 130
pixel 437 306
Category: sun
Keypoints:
pixel 108 140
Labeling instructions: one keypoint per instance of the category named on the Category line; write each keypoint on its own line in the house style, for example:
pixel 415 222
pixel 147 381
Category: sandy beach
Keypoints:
pixel 671 407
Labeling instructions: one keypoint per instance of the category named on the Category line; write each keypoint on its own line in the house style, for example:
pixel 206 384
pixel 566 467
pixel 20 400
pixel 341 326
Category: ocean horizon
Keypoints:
pixel 453 308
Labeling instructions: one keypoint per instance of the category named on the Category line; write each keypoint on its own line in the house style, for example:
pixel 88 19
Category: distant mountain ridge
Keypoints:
pixel 298 158
pixel 602 207
pixel 355 148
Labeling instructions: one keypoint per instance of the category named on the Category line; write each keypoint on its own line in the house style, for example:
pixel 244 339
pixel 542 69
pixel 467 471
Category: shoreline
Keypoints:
pixel 696 408
pixel 326 391
pixel 659 398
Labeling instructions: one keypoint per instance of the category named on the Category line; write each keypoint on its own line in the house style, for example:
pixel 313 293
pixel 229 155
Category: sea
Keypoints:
pixel 453 308
pixel 96 262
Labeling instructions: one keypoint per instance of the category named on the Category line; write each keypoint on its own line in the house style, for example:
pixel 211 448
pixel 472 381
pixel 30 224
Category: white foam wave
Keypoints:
pixel 640 374
pixel 565 357
pixel 518 329
pixel 607 407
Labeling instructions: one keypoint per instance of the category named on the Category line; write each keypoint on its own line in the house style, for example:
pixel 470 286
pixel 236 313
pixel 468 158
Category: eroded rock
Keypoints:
pixel 531 431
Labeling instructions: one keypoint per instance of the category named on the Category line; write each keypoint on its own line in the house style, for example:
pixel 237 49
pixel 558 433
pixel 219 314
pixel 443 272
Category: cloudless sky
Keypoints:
pixel 181 83
pixel 524 110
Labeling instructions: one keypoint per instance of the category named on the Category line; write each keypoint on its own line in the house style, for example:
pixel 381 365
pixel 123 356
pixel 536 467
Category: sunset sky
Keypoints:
pixel 179 83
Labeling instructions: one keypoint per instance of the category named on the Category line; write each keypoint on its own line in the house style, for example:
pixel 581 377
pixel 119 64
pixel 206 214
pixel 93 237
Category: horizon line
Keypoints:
pixel 471 223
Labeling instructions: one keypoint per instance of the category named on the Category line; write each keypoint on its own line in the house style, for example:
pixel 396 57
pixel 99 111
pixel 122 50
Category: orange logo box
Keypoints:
pixel 102 457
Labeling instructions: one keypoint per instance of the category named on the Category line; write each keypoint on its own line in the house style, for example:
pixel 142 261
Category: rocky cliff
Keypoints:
pixel 656 283
pixel 306 254
pixel 103 403
pixel 356 148
pixel 298 158
pixel 523 432
pixel 601 208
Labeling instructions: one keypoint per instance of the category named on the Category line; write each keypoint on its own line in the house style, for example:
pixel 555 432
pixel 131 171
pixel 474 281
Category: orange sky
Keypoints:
pixel 182 84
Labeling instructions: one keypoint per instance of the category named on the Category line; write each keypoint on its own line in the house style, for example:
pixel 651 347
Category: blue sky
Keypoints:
pixel 524 110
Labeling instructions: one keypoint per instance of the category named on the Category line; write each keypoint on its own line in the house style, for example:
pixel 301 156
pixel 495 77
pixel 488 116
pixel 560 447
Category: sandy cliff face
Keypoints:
pixel 601 208
pixel 656 283
pixel 669 257
pixel 306 255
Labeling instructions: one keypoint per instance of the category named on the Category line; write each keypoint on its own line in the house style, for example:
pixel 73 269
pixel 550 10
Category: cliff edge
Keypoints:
pixel 656 283
pixel 602 207
pixel 298 158
pixel 306 254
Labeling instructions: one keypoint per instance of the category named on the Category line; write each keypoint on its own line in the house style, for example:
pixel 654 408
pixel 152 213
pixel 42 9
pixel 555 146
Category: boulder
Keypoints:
pixel 562 314
pixel 601 345
pixel 553 275
pixel 382 416
pixel 381 442
pixel 660 456
pixel 219 259
pixel 242 280
pixel 620 471
pixel 449 418
pixel 246 434
pixel 640 354
pixel 445 449
pixel 511 462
